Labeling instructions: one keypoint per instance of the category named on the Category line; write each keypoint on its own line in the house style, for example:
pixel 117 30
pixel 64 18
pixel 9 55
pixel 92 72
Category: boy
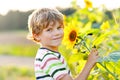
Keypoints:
pixel 46 27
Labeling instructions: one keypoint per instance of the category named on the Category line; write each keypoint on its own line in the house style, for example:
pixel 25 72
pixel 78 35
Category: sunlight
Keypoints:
pixel 24 5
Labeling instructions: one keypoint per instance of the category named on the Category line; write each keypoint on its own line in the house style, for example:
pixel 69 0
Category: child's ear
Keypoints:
pixel 37 37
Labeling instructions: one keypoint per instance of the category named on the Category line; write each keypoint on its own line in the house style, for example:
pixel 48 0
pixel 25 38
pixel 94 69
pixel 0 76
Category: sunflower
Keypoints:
pixel 88 3
pixel 71 32
pixel 105 26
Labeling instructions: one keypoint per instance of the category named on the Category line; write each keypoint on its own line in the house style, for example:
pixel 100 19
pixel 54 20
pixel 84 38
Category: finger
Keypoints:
pixel 97 53
pixel 94 50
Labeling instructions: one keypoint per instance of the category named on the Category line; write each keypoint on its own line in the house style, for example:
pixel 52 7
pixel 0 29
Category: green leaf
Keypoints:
pixel 103 37
pixel 102 59
pixel 114 57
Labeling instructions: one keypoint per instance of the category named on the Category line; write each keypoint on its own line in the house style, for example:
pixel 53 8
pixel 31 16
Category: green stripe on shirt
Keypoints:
pixel 55 64
pixel 57 71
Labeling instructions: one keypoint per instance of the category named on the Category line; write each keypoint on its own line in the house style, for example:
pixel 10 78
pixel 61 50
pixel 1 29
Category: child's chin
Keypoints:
pixel 57 44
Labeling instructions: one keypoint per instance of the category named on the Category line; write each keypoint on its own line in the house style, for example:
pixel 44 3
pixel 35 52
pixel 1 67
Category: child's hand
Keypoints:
pixel 93 56
pixel 92 59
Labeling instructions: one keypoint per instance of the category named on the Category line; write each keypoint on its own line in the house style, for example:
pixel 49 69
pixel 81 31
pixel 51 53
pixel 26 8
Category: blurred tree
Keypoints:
pixel 14 20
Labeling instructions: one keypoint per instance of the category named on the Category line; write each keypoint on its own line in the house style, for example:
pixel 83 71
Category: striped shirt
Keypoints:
pixel 50 65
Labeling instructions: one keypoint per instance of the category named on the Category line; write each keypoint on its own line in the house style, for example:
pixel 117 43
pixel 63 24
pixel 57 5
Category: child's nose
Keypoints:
pixel 56 32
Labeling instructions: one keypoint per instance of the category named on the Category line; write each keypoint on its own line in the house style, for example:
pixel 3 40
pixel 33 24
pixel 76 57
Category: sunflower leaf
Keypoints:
pixel 102 59
pixel 114 57
pixel 102 37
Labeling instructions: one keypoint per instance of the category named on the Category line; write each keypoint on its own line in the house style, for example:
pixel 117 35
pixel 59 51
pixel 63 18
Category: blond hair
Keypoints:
pixel 40 19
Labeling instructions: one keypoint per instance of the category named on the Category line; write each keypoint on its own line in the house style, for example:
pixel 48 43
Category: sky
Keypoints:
pixel 25 5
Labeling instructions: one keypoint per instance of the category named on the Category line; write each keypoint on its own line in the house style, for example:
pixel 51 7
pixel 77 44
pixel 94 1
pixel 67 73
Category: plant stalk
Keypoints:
pixel 101 63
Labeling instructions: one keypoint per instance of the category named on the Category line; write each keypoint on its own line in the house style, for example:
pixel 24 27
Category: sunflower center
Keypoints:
pixel 72 36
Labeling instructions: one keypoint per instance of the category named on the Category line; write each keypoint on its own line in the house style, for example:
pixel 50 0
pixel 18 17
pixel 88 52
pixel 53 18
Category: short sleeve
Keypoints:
pixel 53 66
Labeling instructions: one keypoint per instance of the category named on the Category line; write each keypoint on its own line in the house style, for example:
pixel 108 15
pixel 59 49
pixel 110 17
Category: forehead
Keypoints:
pixel 54 23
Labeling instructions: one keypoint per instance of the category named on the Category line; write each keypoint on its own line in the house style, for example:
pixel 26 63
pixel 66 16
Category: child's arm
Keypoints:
pixel 92 58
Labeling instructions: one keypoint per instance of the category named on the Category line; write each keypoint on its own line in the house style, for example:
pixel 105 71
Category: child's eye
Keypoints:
pixel 49 29
pixel 59 27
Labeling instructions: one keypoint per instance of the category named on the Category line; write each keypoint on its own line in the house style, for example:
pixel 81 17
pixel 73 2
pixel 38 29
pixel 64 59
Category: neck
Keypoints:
pixel 51 48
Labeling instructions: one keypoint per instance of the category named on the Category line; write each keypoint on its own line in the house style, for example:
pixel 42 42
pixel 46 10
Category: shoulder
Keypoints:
pixel 43 54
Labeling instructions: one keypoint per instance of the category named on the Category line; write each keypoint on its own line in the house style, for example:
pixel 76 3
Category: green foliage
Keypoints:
pixel 18 50
pixel 99 28
pixel 110 63
pixel 16 73
pixel 114 57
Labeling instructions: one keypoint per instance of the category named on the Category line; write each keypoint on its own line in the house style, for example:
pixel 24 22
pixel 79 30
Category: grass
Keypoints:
pixel 15 73
pixel 19 50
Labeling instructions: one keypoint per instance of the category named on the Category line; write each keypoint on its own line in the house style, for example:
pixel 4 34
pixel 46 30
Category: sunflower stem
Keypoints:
pixel 109 71
pixel 84 43
pixel 86 46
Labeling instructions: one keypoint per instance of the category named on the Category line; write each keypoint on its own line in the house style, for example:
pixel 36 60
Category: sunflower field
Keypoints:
pixel 93 27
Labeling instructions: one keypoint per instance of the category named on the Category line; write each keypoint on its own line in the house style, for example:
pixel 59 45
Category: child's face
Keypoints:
pixel 51 36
